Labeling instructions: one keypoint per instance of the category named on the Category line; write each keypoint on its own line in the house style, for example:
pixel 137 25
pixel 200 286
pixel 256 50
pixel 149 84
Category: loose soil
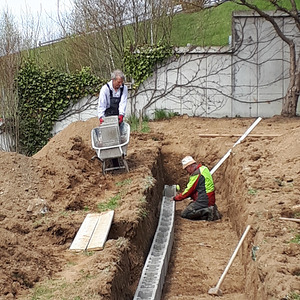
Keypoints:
pixel 45 198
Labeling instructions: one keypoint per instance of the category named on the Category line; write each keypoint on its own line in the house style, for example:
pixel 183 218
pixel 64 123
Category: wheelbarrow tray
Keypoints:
pixel 111 141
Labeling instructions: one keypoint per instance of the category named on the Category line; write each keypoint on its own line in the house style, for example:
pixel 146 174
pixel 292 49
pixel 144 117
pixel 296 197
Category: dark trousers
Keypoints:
pixel 193 212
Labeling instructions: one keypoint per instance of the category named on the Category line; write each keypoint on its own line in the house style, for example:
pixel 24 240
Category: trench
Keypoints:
pixel 229 223
pixel 200 250
pixel 242 279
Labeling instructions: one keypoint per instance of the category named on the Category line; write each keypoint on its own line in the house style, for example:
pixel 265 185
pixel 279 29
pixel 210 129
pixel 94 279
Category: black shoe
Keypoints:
pixel 216 214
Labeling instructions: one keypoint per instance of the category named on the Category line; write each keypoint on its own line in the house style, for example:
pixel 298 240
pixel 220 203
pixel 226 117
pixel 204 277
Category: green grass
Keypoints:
pixel 212 26
pixel 143 213
pixel 164 114
pixel 143 199
pixel 296 239
pixel 209 27
pixel 124 182
pixel 44 291
pixel 149 182
pixel 293 296
pixel 136 125
pixel 252 191
pixel 60 289
pixel 88 253
pixel 111 204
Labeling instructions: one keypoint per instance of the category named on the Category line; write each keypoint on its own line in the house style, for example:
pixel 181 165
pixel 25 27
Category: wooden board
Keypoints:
pixel 93 232
pixel 235 135
pixel 84 233
pixel 101 231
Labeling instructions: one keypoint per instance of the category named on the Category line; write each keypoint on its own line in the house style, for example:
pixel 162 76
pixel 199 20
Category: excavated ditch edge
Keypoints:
pixel 156 266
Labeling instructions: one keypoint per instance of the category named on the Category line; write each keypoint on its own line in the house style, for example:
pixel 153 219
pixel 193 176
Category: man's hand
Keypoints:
pixel 176 198
pixel 101 121
pixel 120 119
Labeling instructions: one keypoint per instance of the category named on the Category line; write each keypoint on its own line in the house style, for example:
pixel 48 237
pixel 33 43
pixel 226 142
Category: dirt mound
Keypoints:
pixel 45 198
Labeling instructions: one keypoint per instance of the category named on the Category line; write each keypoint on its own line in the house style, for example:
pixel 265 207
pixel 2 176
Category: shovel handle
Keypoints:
pixel 232 257
pixel 289 219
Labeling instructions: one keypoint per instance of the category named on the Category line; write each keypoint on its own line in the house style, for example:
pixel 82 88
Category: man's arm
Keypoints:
pixel 189 190
pixel 103 101
pixel 123 101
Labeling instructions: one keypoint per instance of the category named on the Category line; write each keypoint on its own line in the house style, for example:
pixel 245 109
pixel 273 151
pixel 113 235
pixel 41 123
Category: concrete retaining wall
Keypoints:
pixel 249 78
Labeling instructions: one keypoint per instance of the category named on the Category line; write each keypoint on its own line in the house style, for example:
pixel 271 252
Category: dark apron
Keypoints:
pixel 113 110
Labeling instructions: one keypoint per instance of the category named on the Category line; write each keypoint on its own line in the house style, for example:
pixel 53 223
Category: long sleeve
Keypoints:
pixel 123 102
pixel 103 101
pixel 190 188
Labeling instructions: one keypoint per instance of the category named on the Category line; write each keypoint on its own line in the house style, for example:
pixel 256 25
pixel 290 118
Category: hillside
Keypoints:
pixel 211 26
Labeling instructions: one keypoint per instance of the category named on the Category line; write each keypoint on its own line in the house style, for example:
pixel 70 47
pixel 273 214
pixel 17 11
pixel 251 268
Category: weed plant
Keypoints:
pixel 136 125
pixel 293 296
pixel 296 239
pixel 164 114
pixel 111 204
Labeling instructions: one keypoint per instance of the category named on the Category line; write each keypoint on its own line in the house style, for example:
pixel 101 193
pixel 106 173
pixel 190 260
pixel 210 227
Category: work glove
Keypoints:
pixel 101 121
pixel 120 119
pixel 176 198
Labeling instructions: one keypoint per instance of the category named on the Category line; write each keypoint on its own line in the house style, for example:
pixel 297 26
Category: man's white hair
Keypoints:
pixel 117 73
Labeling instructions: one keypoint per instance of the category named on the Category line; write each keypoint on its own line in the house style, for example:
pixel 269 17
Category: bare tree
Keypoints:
pixel 10 42
pixel 103 28
pixel 290 102
pixel 293 91
pixel 197 85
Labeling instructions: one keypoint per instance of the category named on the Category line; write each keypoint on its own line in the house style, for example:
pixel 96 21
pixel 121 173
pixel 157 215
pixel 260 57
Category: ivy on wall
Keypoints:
pixel 139 62
pixel 43 95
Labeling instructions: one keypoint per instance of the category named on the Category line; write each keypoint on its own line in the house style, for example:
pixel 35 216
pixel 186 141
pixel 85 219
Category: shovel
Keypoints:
pixel 216 290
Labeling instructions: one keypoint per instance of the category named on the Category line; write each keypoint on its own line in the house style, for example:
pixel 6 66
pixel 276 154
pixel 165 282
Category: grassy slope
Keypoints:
pixel 210 27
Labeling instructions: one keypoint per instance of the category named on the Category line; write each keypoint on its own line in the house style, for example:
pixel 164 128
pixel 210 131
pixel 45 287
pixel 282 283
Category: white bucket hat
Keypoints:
pixel 188 160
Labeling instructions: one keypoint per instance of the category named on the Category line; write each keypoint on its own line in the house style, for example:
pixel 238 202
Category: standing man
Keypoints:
pixel 113 97
pixel 201 189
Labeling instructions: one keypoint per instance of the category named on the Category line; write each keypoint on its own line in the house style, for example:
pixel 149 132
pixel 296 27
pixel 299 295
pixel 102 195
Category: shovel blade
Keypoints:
pixel 215 291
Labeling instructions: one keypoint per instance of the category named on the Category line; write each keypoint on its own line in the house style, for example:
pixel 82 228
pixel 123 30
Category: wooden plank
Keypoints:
pixel 85 232
pixel 289 219
pixel 235 135
pixel 101 231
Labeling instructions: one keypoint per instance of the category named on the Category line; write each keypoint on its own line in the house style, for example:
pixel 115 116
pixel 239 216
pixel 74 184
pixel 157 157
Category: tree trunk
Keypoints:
pixel 289 107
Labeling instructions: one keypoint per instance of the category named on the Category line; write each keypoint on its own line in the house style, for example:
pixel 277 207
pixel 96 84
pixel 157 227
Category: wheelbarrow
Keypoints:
pixel 110 141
